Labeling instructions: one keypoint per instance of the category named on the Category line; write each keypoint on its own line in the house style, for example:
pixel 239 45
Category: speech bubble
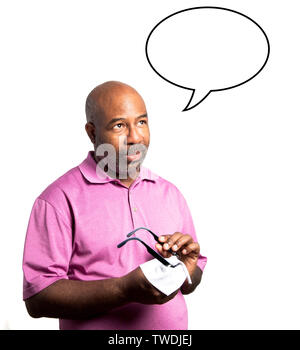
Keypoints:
pixel 207 49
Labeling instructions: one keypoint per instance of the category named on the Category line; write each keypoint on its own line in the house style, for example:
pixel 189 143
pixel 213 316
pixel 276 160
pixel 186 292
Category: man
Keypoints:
pixel 72 267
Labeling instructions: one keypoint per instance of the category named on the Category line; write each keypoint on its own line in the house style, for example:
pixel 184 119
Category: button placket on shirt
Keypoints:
pixel 132 207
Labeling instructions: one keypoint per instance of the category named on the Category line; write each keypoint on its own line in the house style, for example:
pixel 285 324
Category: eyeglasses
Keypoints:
pixel 149 249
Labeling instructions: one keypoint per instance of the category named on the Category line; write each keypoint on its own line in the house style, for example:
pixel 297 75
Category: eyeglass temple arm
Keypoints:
pixel 143 228
pixel 149 249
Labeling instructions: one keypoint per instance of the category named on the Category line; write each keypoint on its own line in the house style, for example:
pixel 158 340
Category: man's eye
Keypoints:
pixel 118 126
pixel 143 121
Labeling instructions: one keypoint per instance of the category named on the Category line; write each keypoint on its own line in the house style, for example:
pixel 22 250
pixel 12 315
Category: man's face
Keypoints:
pixel 124 125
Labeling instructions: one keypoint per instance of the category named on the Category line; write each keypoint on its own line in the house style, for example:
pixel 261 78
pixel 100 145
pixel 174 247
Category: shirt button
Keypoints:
pixel 134 209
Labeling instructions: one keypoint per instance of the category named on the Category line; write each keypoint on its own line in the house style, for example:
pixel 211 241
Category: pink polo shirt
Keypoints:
pixel 74 229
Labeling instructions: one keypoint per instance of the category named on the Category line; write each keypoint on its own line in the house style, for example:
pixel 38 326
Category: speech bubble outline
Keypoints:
pixel 211 90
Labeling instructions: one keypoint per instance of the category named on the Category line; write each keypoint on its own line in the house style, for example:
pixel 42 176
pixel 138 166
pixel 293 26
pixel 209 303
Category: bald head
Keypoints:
pixel 111 97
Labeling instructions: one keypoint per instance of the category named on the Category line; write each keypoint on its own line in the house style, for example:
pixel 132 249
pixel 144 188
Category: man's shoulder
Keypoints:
pixel 61 187
pixel 166 185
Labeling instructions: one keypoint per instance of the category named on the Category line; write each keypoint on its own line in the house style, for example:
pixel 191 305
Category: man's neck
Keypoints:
pixel 125 181
pixel 129 180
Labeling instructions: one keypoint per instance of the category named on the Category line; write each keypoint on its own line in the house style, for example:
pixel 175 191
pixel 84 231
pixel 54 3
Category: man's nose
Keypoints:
pixel 134 136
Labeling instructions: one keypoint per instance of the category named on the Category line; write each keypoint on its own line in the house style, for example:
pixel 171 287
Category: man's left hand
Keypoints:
pixel 183 244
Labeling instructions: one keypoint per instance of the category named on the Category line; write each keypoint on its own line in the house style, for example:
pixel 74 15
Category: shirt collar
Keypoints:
pixel 88 170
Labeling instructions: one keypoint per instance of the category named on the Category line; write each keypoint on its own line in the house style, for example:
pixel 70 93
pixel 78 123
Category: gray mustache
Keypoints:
pixel 134 149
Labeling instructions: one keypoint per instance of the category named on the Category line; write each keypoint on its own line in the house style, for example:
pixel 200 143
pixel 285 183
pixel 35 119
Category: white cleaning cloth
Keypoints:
pixel 165 278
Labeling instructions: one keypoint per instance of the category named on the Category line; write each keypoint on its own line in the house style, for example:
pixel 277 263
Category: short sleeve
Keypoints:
pixel 47 249
pixel 188 228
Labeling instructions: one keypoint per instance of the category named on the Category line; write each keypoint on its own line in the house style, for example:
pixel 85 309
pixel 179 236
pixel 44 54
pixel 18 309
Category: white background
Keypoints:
pixel 242 175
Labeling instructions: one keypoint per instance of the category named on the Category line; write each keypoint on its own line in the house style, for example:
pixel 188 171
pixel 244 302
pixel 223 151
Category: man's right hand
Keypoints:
pixel 138 289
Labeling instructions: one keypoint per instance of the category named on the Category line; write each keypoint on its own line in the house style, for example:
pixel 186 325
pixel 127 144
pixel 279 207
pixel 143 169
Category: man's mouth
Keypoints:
pixel 134 157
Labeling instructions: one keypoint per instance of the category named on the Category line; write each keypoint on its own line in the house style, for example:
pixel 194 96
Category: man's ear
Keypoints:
pixel 91 131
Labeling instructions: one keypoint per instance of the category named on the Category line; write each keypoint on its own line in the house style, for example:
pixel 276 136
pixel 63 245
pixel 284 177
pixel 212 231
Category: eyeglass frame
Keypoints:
pixel 149 249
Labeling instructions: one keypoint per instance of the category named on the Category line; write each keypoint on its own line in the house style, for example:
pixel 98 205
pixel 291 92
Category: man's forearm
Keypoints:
pixel 77 299
pixel 187 288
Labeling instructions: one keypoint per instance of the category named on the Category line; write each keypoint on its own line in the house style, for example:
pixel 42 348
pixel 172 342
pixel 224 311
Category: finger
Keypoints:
pixel 163 238
pixel 163 252
pixel 184 240
pixel 193 247
pixel 170 240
